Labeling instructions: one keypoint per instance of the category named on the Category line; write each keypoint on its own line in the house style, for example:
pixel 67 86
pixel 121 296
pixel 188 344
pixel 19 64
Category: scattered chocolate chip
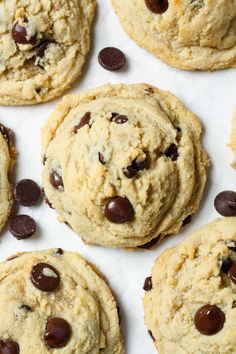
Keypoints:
pixel 232 273
pixel 101 158
pixel 45 277
pixel 151 335
pixel 172 152
pixel 25 308
pixel 56 179
pixel 8 346
pixel 111 59
pixel 129 172
pixel 150 244
pixel 209 319
pixel 19 34
pixel 226 265
pixel 27 192
pixel 83 121
pixel 120 119
pixel 225 203
pixel 147 284
pixel 57 333
pixel 5 133
pixel 22 227
pixel 60 251
pixel 157 6
pixel 119 210
pixel 42 47
pixel 187 220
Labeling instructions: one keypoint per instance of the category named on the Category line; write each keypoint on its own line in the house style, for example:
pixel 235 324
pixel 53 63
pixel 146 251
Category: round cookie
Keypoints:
pixel 187 34
pixel 123 164
pixel 7 154
pixel 190 300
pixel 56 300
pixel 43 47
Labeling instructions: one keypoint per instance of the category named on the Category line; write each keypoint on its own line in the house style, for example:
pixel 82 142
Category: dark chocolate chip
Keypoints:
pixel 209 319
pixel 25 308
pixel 120 119
pixel 225 203
pixel 119 210
pixel 83 121
pixel 157 6
pixel 226 265
pixel 19 34
pixel 112 59
pixel 27 192
pixel 60 251
pixel 129 172
pixel 101 158
pixel 45 277
pixel 22 227
pixel 232 273
pixel 150 91
pixel 187 220
pixel 56 179
pixel 5 133
pixel 44 159
pixel 151 335
pixel 140 165
pixel 232 249
pixel 172 152
pixel 150 244
pixel 147 284
pixel 57 333
pixel 42 47
pixel 8 346
pixel 113 115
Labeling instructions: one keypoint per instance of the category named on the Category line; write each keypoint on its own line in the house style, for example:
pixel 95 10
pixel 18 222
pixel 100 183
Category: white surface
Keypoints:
pixel 212 96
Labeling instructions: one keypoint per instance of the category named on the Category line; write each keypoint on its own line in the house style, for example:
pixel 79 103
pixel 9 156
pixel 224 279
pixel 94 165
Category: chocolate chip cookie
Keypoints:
pixel 56 301
pixel 190 300
pixel 43 45
pixel 123 164
pixel 7 154
pixel 187 34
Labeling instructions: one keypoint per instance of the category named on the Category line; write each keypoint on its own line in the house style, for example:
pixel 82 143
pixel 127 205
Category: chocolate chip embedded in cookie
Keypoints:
pixel 123 169
pixel 190 35
pixel 43 48
pixel 57 302
pixel 190 303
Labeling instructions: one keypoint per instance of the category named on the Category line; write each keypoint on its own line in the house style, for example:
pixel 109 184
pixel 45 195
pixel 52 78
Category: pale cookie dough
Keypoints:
pixel 7 154
pixel 190 34
pixel 233 139
pixel 198 272
pixel 76 293
pixel 122 185
pixel 43 47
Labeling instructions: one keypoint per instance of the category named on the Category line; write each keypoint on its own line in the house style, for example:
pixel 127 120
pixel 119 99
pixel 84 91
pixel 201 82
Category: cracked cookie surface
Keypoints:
pixel 43 46
pixel 123 164
pixel 190 300
pixel 55 301
pixel 187 34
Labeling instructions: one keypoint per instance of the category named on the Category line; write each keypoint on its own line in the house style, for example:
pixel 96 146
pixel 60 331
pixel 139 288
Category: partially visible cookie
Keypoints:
pixel 7 154
pixel 233 138
pixel 190 303
pixel 43 47
pixel 123 164
pixel 56 301
pixel 187 34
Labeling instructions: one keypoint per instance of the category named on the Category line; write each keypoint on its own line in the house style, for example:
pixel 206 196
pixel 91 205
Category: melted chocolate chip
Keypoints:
pixel 22 227
pixel 8 346
pixel 187 220
pixel 19 34
pixel 45 277
pixel 27 192
pixel 157 6
pixel 147 284
pixel 83 121
pixel 119 210
pixel 136 166
pixel 42 47
pixel 56 180
pixel 129 172
pixel 5 133
pixel 172 152
pixel 226 265
pixel 232 273
pixel 101 158
pixel 57 333
pixel 150 244
pixel 151 335
pixel 112 59
pixel 209 319
pixel 120 119
pixel 225 203
pixel 25 308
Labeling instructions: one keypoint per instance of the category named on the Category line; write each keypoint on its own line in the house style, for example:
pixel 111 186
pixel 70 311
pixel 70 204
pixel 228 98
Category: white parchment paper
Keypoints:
pixel 212 96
